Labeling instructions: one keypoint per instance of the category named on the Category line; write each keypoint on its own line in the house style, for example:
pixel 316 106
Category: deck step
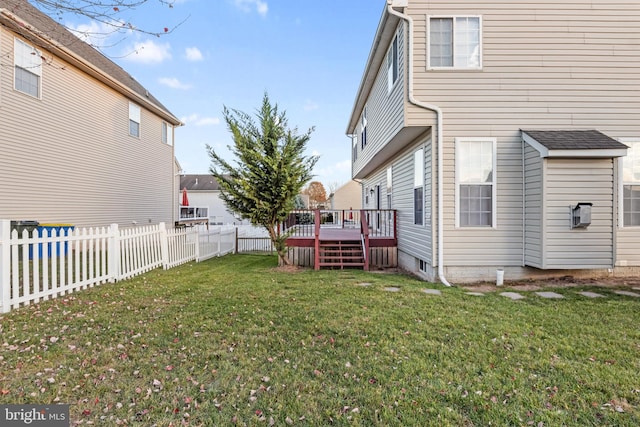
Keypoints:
pixel 341 254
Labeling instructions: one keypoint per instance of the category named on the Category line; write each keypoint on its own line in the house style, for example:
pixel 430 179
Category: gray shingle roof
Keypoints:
pixel 574 140
pixel 54 31
pixel 204 182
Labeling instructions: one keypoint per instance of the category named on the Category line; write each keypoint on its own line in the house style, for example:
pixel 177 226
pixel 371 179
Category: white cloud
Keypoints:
pixel 196 120
pixel 149 52
pixel 310 105
pixel 97 34
pixel 259 6
pixel 193 54
pixel 315 153
pixel 173 83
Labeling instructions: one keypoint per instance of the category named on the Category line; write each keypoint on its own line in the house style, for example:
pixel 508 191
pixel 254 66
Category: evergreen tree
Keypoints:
pixel 268 171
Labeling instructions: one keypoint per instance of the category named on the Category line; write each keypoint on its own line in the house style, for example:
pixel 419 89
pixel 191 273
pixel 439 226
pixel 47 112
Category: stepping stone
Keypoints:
pixel 432 291
pixel 551 295
pixel 364 284
pixel 637 288
pixel 627 293
pixel 512 295
pixel 475 294
pixel 392 289
pixel 591 295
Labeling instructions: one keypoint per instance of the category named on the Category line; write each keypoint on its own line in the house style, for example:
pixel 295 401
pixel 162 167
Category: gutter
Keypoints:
pixel 439 130
pixel 98 73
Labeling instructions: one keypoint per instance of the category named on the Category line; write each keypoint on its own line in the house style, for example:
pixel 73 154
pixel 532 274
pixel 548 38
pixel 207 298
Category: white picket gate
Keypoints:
pixel 61 261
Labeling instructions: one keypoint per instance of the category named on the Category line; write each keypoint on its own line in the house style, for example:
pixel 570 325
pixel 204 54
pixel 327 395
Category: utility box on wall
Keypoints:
pixel 581 215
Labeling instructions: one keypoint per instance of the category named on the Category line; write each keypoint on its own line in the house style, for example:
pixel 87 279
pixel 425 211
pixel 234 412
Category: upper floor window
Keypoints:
pixel 418 187
pixel 27 69
pixel 392 64
pixel 167 133
pixel 389 186
pixel 134 120
pixel 454 42
pixel 631 185
pixel 363 129
pixel 475 182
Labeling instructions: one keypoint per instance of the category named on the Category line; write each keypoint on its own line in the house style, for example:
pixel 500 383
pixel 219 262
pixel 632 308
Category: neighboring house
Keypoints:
pixel 82 142
pixel 204 191
pixel 497 131
pixel 347 196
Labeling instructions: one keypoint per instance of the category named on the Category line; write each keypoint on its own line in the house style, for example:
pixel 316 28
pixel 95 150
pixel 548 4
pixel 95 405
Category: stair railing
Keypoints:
pixel 316 254
pixel 364 236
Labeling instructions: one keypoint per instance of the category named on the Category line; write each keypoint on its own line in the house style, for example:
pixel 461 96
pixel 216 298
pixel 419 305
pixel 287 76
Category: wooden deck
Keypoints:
pixel 336 238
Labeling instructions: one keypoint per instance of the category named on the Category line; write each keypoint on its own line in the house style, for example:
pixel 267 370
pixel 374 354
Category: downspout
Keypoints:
pixel 439 128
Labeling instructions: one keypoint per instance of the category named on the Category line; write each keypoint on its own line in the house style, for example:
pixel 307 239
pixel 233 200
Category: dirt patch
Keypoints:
pixel 559 282
pixel 288 269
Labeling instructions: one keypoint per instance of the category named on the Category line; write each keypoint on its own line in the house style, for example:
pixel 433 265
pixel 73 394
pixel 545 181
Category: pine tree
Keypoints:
pixel 269 169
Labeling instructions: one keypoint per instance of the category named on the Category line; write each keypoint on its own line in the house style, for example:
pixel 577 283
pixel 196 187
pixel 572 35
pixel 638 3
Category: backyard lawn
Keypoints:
pixel 234 341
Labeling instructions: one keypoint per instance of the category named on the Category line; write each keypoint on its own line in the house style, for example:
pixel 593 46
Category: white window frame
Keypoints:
pixel 393 66
pixel 454 66
pixel 418 183
pixel 363 128
pixel 167 133
pixel 134 116
pixel 28 59
pixel 622 183
pixel 494 186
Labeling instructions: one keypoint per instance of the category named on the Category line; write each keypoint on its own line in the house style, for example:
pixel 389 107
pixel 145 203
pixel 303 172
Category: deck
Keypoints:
pixel 341 238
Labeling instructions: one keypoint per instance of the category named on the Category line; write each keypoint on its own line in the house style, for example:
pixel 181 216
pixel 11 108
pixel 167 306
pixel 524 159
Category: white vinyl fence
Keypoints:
pixel 53 262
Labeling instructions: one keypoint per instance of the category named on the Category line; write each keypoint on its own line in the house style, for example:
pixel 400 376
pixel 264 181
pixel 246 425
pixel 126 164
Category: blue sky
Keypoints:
pixel 308 55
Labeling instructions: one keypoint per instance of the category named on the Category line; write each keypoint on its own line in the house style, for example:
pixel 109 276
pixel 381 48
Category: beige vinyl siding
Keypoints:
pixel 628 247
pixel 568 182
pixel 68 157
pixel 385 110
pixel 546 65
pixel 534 207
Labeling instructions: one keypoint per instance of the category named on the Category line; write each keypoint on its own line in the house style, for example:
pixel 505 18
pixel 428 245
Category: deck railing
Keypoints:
pixel 302 222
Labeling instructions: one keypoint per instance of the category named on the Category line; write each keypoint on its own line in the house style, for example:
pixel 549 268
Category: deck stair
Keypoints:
pixel 341 254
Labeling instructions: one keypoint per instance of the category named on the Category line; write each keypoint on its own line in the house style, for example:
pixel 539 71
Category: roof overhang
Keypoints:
pixel 566 144
pixel 17 24
pixel 384 35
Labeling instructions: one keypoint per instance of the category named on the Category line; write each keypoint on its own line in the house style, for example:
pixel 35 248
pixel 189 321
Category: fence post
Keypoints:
pixel 235 251
pixel 5 265
pixel 164 245
pixel 197 239
pixel 113 253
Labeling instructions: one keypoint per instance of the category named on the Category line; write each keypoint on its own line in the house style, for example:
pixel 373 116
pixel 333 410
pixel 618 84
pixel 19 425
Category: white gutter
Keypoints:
pixel 439 128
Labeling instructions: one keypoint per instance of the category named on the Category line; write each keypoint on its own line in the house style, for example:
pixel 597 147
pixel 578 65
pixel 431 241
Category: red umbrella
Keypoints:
pixel 185 199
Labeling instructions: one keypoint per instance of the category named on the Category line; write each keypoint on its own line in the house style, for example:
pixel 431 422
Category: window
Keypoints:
pixel 363 129
pixel 134 120
pixel 389 186
pixel 392 64
pixel 475 182
pixel 167 133
pixel 454 42
pixel 631 185
pixel 418 187
pixel 28 68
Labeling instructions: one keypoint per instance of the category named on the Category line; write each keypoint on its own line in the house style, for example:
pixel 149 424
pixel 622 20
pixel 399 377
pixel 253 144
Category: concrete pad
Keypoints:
pixel 512 295
pixel 392 289
pixel 432 292
pixel 551 295
pixel 475 294
pixel 591 295
pixel 628 294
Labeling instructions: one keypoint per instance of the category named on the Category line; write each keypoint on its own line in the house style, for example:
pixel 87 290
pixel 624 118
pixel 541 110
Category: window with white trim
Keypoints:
pixel 392 64
pixel 418 187
pixel 363 129
pixel 167 133
pixel 475 182
pixel 27 68
pixel 455 42
pixel 389 186
pixel 631 185
pixel 134 120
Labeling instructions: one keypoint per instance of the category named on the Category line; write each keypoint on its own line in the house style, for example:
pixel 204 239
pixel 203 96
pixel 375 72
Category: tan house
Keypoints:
pixel 501 134
pixel 82 141
pixel 347 196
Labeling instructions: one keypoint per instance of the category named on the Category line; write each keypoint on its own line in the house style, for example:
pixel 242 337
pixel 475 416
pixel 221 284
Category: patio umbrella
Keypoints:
pixel 185 199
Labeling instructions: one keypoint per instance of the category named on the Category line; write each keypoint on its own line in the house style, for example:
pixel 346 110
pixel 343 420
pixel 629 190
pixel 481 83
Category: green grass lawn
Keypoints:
pixel 232 341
